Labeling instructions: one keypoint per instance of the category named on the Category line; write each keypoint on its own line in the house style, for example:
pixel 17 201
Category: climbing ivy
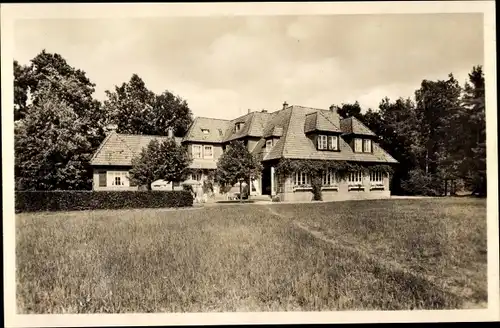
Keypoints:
pixel 316 167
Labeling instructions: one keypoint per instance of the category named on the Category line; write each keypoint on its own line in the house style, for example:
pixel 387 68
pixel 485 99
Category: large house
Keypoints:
pixel 293 132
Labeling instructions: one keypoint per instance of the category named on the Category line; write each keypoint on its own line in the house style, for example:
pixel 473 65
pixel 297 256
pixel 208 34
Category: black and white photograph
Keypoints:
pixel 262 160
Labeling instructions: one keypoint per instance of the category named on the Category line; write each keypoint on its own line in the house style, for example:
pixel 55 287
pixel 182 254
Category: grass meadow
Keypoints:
pixel 360 255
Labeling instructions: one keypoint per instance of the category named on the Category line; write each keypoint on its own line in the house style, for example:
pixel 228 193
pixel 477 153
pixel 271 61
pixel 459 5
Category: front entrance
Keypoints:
pixel 266 180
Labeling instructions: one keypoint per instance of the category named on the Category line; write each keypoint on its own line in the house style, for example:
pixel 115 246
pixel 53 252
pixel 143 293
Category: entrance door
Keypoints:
pixel 266 180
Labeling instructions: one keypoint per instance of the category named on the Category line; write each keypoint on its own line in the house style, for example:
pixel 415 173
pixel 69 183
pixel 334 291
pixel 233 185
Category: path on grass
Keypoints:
pixel 385 264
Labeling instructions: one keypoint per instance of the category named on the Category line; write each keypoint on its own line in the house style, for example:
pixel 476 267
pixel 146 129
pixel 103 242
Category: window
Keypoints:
pixel 208 151
pixel 333 143
pixel 102 179
pixel 367 146
pixel 322 142
pixel 329 178
pixel 196 176
pixel 119 179
pixel 376 177
pixel 356 177
pixel 269 145
pixel 196 151
pixel 358 143
pixel 300 178
pixel 239 126
pixel 205 131
pixel 328 142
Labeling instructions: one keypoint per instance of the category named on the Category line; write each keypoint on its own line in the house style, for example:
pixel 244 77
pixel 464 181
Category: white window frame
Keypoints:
pixel 239 126
pixel 334 142
pixel 205 151
pixel 356 177
pixel 193 147
pixel 322 142
pixel 377 177
pixel 122 176
pixel 198 176
pixel 329 178
pixel 301 179
pixel 367 146
pixel 358 145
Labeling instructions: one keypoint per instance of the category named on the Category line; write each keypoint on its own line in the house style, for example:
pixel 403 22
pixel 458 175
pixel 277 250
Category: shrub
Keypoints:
pixel 36 201
pixel 316 188
pixel 187 188
pixel 420 183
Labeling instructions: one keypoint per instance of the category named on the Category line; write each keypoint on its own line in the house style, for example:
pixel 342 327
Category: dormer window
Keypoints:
pixel 328 142
pixel 238 126
pixel 367 146
pixel 205 131
pixel 358 143
pixel 362 145
pixel 269 145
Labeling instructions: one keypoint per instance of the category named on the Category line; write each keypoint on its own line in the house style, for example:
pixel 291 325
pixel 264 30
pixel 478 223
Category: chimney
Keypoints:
pixel 249 111
pixel 170 132
pixel 264 111
pixel 285 105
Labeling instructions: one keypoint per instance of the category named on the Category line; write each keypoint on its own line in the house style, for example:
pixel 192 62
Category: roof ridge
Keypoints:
pixel 328 119
pixel 143 135
pixel 123 142
pixel 363 124
pixel 212 118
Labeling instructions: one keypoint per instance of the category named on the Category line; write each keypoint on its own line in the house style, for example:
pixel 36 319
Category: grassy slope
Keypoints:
pixel 247 258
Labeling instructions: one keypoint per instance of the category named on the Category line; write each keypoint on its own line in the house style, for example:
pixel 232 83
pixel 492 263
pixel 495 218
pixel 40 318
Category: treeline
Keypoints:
pixel 59 125
pixel 437 138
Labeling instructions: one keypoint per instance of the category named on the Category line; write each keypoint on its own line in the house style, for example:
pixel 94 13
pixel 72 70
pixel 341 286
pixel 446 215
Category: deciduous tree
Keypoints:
pixel 165 160
pixel 58 124
pixel 237 164
pixel 137 110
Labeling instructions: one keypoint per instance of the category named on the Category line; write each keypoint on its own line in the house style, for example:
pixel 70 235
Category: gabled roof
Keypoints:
pixel 216 130
pixel 254 123
pixel 322 121
pixel 119 149
pixel 352 125
pixel 295 144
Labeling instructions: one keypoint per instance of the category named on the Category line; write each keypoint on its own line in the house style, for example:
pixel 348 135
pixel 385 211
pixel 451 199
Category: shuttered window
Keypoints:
pixel 102 179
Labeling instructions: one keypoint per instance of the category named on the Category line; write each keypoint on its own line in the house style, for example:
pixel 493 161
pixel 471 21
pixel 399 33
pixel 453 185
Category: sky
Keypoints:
pixel 223 66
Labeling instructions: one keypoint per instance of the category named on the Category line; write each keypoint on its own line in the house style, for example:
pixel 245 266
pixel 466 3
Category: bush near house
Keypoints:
pixel 37 201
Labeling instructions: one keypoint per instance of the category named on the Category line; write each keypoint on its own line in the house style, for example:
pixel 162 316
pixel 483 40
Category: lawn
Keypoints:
pixel 363 255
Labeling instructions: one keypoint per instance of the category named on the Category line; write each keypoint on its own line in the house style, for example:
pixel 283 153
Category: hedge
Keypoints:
pixel 37 201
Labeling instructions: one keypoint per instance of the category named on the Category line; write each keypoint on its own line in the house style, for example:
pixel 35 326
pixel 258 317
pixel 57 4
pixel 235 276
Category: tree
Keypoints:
pixel 160 160
pixel 53 103
pixel 437 104
pixel 52 150
pixel 348 110
pixel 237 164
pixel 470 145
pixel 395 124
pixel 20 90
pixel 137 110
